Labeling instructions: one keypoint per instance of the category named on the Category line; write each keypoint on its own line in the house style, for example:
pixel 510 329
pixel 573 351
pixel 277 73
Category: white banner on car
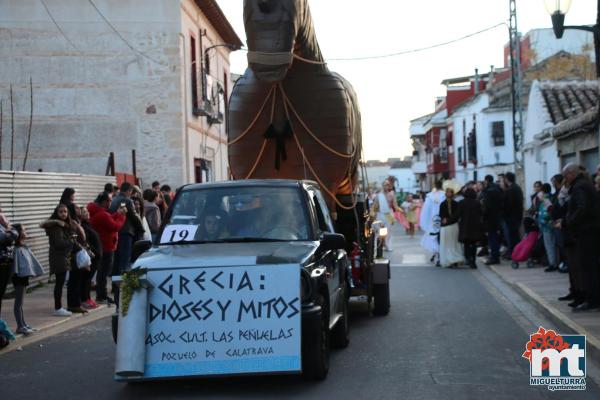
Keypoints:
pixel 223 321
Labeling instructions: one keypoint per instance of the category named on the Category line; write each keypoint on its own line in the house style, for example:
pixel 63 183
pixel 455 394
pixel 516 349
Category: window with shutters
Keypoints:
pixel 472 146
pixel 193 73
pixel 444 146
pixel 498 133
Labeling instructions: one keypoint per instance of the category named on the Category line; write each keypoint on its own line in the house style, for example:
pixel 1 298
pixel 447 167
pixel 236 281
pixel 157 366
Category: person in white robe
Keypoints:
pixel 430 220
pixel 385 205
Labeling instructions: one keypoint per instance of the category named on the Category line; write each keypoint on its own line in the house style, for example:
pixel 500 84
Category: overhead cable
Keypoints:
pixel 133 49
pixel 58 26
pixel 417 50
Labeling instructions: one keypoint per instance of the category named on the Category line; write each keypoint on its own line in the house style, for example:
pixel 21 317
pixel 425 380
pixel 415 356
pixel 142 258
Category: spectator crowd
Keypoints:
pixel 88 243
pixel 558 227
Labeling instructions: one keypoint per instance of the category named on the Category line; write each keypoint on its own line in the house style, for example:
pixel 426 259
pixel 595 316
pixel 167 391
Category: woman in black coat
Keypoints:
pixel 68 199
pixel 470 225
pixel 450 250
pixel 61 234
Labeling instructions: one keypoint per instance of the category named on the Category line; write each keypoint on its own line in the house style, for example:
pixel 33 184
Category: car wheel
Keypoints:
pixel 340 336
pixel 315 347
pixel 381 295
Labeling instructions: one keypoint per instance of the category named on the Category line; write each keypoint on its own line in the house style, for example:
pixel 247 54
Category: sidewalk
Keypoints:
pixel 38 307
pixel 543 290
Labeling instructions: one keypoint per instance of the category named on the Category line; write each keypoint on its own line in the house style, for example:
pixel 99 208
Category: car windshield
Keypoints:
pixel 237 214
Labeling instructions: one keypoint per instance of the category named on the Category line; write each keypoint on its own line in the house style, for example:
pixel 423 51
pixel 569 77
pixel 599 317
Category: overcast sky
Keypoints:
pixel 395 90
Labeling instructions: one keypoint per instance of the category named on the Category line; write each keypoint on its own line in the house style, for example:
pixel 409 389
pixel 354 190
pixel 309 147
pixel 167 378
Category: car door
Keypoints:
pixel 330 258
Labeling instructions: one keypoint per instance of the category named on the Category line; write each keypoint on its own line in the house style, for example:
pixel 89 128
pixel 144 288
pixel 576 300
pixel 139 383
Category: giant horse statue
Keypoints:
pixel 290 117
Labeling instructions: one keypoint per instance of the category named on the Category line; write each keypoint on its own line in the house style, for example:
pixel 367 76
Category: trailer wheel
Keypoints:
pixel 115 327
pixel 340 336
pixel 381 295
pixel 315 347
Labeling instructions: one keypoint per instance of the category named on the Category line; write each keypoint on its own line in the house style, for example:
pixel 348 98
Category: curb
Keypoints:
pixel 562 321
pixel 58 327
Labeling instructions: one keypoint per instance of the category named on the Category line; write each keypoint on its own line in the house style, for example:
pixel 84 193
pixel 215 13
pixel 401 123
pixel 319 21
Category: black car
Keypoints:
pixel 262 223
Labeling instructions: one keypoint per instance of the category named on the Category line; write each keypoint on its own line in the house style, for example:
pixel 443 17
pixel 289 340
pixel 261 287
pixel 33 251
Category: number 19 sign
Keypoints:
pixel 178 233
pixel 223 321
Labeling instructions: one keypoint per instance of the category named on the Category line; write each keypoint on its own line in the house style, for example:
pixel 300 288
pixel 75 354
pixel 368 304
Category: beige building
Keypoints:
pixel 145 75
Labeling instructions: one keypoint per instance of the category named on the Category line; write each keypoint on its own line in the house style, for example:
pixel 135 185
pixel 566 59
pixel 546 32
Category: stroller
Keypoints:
pixel 525 250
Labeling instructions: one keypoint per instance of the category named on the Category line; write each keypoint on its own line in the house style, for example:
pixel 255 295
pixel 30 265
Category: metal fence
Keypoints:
pixel 29 198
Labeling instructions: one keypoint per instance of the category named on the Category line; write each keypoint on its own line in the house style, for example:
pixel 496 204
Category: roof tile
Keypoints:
pixel 572 105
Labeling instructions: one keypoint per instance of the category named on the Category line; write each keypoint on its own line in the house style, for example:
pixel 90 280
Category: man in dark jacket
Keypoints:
pixel 581 227
pixel 470 226
pixel 558 212
pixel 492 208
pixel 131 229
pixel 513 211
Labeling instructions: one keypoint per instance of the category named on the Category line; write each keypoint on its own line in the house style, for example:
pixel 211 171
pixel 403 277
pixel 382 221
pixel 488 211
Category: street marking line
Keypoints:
pixel 414 259
pixel 411 266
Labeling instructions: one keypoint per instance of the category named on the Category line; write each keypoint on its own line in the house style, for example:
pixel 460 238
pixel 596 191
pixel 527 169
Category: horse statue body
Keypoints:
pixel 289 116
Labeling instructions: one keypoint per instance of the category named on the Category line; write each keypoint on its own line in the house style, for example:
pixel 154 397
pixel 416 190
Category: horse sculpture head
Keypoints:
pixel 272 28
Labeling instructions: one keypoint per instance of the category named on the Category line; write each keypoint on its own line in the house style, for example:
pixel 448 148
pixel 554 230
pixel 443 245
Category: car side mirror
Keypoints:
pixel 140 247
pixel 333 241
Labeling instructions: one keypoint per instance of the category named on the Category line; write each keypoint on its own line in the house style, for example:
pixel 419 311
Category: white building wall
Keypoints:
pixel 541 160
pixel 92 93
pixel 205 141
pixel 491 159
pixel 406 177
pixel 538 117
pixel 541 163
pixel 545 44
pixel 462 119
pixel 463 174
pixel 496 155
pixel 419 159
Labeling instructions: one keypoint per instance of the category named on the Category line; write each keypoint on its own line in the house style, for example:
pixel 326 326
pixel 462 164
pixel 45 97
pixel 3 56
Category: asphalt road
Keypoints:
pixel 447 337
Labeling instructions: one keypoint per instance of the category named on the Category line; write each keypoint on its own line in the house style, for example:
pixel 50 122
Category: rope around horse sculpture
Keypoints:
pixel 272 95
pixel 258 114
pixel 312 170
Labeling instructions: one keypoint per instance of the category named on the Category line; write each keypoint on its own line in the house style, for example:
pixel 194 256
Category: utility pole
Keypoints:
pixel 1 119
pixel 30 123
pixel 12 130
pixel 516 85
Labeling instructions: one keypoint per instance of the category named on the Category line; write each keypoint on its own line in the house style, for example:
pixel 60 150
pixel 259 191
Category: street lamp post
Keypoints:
pixel 231 47
pixel 558 9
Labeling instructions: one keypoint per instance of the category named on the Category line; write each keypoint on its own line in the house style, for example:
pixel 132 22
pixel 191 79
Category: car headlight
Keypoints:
pixel 305 285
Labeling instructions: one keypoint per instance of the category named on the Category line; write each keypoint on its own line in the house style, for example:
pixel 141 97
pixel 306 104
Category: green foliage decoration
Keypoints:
pixel 130 282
